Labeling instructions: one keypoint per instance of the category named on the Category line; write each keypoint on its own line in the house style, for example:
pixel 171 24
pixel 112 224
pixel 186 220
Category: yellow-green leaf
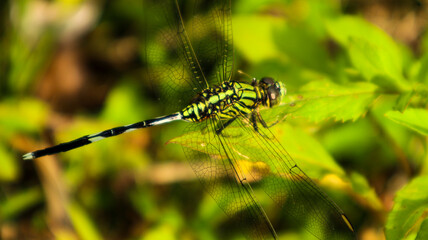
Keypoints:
pixel 83 223
pixel 19 202
pixel 320 100
pixel 410 208
pixel 413 118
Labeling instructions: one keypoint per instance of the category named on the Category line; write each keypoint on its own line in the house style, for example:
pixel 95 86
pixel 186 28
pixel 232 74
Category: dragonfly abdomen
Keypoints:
pixel 226 101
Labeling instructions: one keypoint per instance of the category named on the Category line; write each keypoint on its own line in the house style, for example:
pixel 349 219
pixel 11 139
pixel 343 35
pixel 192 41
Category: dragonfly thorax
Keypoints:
pixel 232 99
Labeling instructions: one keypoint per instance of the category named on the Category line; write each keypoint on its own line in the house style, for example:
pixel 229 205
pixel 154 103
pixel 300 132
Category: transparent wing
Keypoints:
pixel 211 36
pixel 285 183
pixel 189 47
pixel 215 166
pixel 264 163
pixel 172 70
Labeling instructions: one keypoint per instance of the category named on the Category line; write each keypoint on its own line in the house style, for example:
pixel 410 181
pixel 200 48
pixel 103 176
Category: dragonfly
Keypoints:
pixel 227 140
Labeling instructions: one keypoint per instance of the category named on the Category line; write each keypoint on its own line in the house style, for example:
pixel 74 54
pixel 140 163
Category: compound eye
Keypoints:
pixel 273 92
pixel 267 80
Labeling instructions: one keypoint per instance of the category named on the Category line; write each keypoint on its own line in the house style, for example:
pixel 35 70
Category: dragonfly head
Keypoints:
pixel 275 90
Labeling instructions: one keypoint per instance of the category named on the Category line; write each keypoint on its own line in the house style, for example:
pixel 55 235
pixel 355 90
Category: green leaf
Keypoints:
pixel 251 31
pixel 404 100
pixel 160 232
pixel 376 66
pixel 9 167
pixel 303 47
pixel 19 202
pixel 413 118
pixel 25 115
pixel 345 28
pixel 372 51
pixel 251 6
pixel 314 160
pixel 82 222
pixel 168 226
pixel 422 75
pixel 367 193
pixel 340 141
pixel 423 230
pixel 121 104
pixel 365 58
pixel 411 205
pixel 320 100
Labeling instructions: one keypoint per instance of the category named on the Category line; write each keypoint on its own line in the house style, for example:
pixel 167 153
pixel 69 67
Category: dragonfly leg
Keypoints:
pixel 254 123
pixel 221 126
pixel 273 124
pixel 205 128
pixel 264 124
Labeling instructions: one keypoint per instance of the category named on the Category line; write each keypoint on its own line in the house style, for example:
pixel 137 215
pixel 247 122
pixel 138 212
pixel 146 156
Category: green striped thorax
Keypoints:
pixel 232 99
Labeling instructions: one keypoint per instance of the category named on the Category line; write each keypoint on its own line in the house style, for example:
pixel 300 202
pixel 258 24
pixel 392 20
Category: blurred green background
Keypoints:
pixel 70 68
